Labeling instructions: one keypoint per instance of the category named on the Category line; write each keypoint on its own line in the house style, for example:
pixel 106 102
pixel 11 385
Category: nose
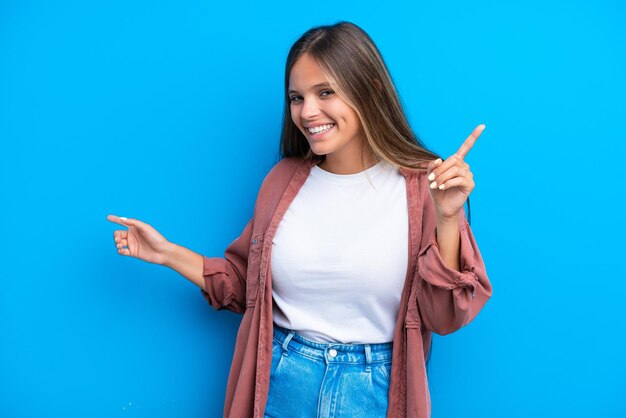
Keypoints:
pixel 310 109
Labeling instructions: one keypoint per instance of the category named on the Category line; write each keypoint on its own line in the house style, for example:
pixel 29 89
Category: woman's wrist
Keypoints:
pixel 447 220
pixel 186 262
pixel 170 253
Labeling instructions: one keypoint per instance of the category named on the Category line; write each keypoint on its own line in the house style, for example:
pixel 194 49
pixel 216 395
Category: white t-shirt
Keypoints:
pixel 340 256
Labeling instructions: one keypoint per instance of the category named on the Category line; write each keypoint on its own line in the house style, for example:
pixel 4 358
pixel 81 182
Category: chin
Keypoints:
pixel 317 150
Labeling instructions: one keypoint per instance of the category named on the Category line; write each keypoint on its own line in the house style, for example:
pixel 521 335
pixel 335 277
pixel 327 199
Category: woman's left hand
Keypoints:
pixel 451 181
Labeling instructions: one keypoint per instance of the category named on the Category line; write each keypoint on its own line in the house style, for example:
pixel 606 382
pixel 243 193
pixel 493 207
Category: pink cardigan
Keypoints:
pixel 434 298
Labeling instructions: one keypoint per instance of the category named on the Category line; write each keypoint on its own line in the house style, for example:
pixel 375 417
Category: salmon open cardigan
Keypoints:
pixel 434 298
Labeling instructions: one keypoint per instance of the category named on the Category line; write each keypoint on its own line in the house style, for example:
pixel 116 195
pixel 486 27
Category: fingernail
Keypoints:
pixel 123 218
pixel 431 176
pixel 442 187
pixel 438 161
pixel 433 184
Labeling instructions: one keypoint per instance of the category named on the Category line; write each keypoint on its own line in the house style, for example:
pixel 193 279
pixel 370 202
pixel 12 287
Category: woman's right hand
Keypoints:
pixel 140 240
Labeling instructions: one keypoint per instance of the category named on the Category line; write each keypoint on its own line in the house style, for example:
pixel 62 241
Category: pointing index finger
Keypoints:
pixel 117 219
pixel 469 141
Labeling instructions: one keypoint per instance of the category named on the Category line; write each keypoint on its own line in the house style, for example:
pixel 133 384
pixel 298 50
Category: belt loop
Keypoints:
pixel 368 358
pixel 286 342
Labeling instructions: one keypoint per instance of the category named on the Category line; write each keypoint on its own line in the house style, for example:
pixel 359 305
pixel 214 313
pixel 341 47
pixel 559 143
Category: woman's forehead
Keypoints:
pixel 307 74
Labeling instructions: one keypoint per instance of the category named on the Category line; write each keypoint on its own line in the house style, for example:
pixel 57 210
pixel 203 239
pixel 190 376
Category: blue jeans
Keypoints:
pixel 317 380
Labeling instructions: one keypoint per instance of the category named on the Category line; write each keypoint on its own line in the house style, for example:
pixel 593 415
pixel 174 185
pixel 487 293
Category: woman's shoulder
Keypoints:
pixel 280 175
pixel 272 189
pixel 285 168
pixel 287 163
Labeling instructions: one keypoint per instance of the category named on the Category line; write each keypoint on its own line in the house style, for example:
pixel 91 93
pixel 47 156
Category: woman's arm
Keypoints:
pixel 449 241
pixel 454 284
pixel 222 279
pixel 187 263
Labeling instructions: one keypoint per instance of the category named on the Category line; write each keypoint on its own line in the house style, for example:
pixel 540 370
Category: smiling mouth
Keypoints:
pixel 317 130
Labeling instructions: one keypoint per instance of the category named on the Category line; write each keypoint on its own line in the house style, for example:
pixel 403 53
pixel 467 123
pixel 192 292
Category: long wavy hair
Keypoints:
pixel 357 73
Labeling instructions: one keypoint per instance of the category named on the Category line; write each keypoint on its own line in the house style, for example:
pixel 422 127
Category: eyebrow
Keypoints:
pixel 324 84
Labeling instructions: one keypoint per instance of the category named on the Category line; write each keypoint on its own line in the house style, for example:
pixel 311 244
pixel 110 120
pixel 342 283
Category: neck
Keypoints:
pixel 344 166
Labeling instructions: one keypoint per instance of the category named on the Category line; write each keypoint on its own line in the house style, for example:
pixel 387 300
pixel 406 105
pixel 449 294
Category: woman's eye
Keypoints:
pixel 326 92
pixel 294 99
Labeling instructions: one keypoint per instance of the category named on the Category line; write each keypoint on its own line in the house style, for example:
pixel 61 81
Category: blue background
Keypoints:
pixel 170 112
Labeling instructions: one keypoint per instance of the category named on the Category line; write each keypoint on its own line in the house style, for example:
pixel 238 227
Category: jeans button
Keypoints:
pixel 332 352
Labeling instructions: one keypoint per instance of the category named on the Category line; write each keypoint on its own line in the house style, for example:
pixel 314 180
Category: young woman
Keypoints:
pixel 358 248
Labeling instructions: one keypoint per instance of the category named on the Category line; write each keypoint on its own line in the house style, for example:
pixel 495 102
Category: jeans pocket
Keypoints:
pixel 294 389
pixel 277 354
pixel 386 370
pixel 381 376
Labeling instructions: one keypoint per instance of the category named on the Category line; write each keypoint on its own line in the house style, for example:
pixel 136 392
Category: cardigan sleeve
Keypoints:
pixel 225 277
pixel 449 299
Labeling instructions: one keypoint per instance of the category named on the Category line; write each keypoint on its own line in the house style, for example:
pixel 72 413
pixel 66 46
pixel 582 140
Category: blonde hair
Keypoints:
pixel 358 74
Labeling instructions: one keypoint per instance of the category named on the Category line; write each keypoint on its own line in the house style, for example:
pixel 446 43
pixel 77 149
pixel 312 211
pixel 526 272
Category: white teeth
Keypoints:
pixel 319 129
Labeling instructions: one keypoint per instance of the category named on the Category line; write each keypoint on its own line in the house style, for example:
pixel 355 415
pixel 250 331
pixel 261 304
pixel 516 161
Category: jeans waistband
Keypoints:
pixel 333 352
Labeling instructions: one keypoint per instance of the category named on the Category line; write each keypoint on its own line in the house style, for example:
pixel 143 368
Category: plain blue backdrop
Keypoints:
pixel 170 111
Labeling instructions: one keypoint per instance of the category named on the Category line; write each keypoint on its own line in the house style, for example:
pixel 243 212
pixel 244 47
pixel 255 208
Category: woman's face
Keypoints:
pixel 329 124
